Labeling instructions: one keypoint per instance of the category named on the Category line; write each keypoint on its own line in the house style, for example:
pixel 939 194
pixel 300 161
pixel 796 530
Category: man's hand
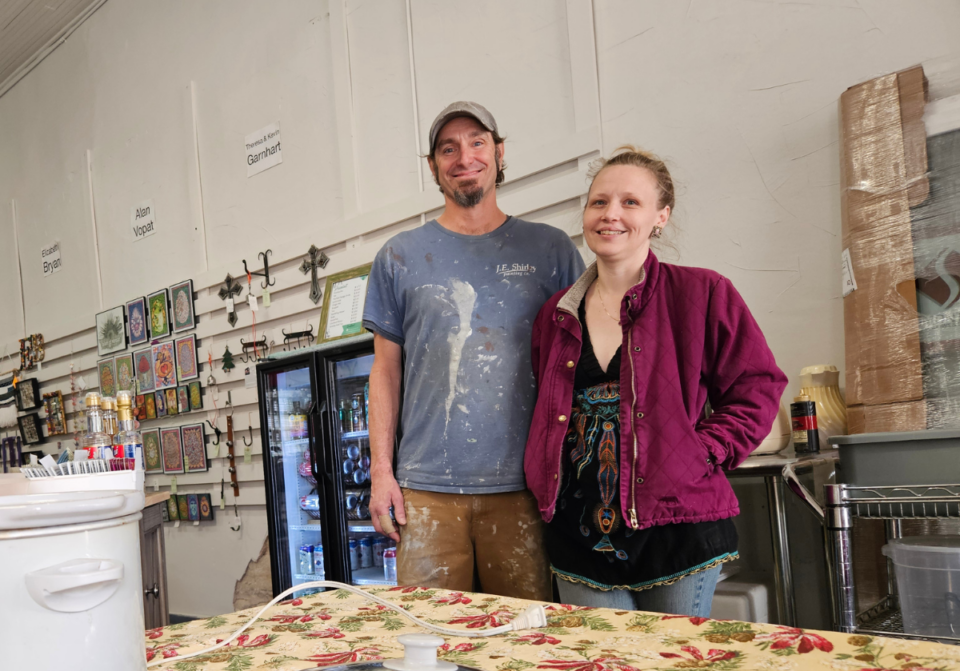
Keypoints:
pixel 384 493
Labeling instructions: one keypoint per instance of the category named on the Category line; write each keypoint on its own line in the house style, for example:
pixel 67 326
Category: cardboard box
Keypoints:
pixel 883 168
pixel 909 416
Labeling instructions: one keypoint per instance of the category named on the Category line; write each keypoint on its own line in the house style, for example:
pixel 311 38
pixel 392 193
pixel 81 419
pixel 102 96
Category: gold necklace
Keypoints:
pixel 604 305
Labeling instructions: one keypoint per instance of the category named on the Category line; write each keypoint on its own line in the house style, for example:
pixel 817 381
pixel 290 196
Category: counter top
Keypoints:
pixel 153 498
pixel 340 628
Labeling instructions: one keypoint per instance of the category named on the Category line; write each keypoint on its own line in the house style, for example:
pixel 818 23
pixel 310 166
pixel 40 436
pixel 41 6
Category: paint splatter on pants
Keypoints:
pixel 446 534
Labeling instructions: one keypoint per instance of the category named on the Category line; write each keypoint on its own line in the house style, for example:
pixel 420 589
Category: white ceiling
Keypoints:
pixel 29 28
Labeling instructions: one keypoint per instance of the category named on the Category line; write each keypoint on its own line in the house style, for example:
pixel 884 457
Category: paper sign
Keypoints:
pixel 263 149
pixel 346 307
pixel 846 273
pixel 252 302
pixel 50 256
pixel 143 220
pixel 247 455
pixel 173 485
pixel 230 305
pixel 249 377
pixel 266 298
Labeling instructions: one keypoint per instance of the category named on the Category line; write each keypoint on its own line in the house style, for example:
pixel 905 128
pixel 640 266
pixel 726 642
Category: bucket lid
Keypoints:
pixel 29 511
pixel 928 543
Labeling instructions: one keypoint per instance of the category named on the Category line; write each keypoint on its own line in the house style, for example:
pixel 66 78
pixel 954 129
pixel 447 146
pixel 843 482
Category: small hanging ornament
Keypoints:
pixel 227 358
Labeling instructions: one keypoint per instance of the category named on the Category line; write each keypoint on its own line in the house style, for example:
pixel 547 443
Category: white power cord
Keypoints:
pixel 533 617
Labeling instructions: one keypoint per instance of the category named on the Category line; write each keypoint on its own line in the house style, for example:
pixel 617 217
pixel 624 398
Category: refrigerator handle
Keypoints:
pixel 320 441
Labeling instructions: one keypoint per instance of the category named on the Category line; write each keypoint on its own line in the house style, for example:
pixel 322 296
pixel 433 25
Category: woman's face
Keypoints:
pixel 621 212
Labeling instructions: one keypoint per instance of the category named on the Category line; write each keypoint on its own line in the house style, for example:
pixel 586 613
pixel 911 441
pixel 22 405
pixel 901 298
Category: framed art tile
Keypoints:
pixel 143 365
pixel 56 416
pixel 164 367
pixel 183 399
pixel 126 378
pixel 137 321
pixel 183 507
pixel 28 394
pixel 150 406
pixel 193 508
pixel 152 454
pixel 111 333
pixel 171 399
pixel 173 509
pixel 30 431
pixel 139 408
pixel 108 377
pixel 194 448
pixel 196 395
pixel 187 368
pixel 181 306
pixel 161 402
pixel 159 316
pixel 172 451
pixel 206 507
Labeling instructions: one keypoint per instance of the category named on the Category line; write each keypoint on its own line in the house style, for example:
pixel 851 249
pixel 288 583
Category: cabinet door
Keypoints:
pixel 153 568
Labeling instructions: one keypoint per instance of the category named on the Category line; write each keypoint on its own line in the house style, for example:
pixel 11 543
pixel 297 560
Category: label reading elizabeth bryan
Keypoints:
pixel 263 149
pixel 143 220
pixel 50 256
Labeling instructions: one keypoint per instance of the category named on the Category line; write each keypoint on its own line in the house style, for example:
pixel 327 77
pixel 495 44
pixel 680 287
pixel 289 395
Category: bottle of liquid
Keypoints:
pixel 318 569
pixel 97 442
pixel 128 440
pixel 390 564
pixel 803 416
pixel 108 405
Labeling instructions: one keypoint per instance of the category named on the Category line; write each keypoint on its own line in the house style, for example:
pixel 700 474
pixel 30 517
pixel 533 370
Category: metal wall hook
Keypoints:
pixel 216 431
pixel 258 347
pixel 288 338
pixel 229 403
pixel 266 269
pixel 250 432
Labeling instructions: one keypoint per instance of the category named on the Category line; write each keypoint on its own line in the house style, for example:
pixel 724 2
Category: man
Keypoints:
pixel 453 302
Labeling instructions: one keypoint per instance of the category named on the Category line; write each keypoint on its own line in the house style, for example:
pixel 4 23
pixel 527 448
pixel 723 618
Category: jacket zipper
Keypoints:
pixel 633 413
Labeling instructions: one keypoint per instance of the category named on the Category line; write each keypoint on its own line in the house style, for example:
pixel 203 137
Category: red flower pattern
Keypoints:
pixel 292 602
pixel 789 636
pixel 536 639
pixel 167 651
pixel 329 632
pixel 695 621
pixel 712 657
pixel 599 664
pixel 452 599
pixel 494 619
pixel 334 658
pixel 460 647
pixel 290 619
pixel 154 634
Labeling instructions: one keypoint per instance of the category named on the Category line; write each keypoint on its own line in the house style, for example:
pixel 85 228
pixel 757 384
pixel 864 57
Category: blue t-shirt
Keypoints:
pixel 462 307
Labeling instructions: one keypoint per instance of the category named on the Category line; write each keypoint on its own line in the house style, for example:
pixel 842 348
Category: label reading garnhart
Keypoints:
pixel 143 220
pixel 263 149
pixel 50 256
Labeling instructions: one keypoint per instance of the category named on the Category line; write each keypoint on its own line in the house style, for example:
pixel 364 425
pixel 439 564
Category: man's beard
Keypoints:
pixel 469 197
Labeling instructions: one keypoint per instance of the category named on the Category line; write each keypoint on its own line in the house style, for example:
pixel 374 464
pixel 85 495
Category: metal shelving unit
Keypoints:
pixel 891 503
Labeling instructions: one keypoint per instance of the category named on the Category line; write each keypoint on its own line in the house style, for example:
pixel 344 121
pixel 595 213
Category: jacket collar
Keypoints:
pixel 570 302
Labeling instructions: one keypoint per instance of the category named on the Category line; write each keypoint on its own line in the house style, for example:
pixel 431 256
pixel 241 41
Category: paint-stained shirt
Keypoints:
pixel 462 307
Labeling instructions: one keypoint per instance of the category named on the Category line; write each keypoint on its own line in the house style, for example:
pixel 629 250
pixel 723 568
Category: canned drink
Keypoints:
pixel 378 547
pixel 354 547
pixel 366 552
pixel 356 405
pixel 306 559
pixel 318 569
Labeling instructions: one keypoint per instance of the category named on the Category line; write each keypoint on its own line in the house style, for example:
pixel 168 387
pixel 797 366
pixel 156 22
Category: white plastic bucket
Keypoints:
pixel 928 580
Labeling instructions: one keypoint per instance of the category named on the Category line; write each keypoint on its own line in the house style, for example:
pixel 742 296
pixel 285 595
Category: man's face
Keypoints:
pixel 465 161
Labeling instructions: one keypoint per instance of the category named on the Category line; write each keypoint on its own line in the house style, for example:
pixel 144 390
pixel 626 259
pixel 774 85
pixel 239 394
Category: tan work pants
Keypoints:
pixel 446 534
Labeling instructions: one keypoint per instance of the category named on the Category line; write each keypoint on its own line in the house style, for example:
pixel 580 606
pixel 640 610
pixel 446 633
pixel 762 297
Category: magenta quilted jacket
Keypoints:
pixel 687 337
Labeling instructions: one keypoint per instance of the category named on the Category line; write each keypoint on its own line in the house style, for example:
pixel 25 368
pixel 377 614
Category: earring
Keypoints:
pixel 657 231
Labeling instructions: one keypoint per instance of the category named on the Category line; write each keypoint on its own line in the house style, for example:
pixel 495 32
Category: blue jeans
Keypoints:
pixel 691 595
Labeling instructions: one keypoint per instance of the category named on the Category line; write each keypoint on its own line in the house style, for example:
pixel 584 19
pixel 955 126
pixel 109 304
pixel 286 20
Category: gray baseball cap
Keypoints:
pixel 461 108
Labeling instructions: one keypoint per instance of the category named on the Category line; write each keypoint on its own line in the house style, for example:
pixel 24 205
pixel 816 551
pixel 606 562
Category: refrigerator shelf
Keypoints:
pixel 371 576
pixel 305 527
pixel 352 435
pixel 360 527
pixel 309 577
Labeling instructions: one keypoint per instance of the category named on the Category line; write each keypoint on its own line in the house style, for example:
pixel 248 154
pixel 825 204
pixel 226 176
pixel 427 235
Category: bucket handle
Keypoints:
pixel 76 585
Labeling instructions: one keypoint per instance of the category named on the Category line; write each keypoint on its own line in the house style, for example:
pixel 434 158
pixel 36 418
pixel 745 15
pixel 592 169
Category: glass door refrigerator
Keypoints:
pixel 313 422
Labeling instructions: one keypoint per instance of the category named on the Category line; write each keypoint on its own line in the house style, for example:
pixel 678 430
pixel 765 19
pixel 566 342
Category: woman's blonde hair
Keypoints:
pixel 630 155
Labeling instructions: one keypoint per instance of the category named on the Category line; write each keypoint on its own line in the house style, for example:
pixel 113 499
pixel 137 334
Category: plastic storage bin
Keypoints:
pixel 904 458
pixel 928 579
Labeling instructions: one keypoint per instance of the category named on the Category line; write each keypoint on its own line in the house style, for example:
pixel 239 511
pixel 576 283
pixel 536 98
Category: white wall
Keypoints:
pixel 153 100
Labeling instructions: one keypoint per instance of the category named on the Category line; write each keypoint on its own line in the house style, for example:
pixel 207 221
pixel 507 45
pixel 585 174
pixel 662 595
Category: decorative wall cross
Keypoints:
pixel 317 260
pixel 230 289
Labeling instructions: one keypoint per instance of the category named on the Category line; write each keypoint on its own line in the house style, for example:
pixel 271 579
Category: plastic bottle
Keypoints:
pixel 390 565
pixel 96 441
pixel 318 569
pixel 128 439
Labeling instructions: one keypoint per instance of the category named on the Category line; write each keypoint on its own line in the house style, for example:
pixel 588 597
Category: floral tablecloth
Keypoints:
pixel 338 627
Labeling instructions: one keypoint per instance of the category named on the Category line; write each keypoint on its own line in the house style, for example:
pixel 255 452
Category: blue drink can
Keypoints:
pixel 366 552
pixel 306 559
pixel 354 549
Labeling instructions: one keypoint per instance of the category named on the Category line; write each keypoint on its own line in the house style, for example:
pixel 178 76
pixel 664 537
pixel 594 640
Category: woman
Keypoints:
pixel 627 472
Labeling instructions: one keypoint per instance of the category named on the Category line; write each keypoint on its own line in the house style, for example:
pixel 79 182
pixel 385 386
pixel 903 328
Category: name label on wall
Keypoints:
pixel 50 256
pixel 143 220
pixel 263 149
